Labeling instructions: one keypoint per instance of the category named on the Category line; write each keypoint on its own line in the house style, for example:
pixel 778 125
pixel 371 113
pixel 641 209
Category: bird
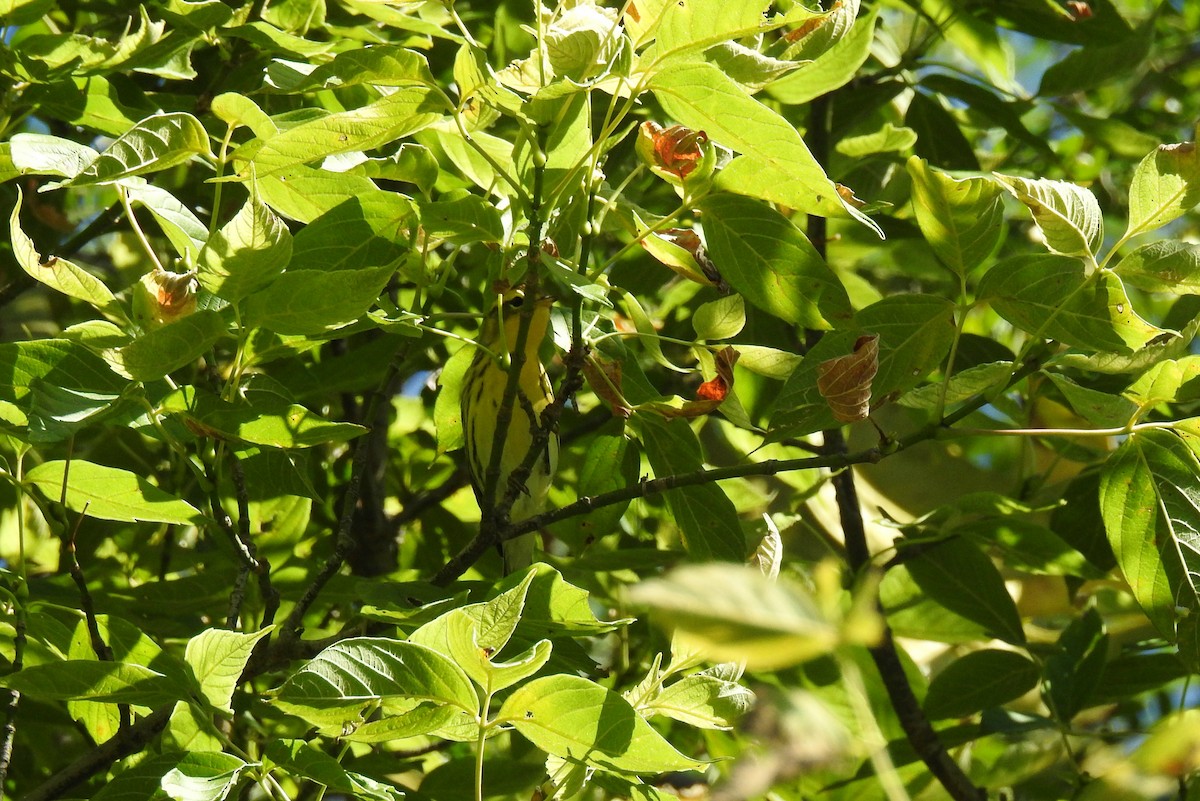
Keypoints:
pixel 482 394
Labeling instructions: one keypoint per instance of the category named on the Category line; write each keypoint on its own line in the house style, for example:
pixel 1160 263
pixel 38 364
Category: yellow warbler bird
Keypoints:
pixel 482 394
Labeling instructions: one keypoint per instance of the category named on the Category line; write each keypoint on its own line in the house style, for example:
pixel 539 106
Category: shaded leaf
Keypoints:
pixel 706 518
pixel 166 349
pixel 979 680
pixel 93 680
pixel 1166 266
pixel 957 576
pixel 246 253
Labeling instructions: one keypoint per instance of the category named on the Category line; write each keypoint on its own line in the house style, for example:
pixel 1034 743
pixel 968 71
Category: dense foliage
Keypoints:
pixel 872 362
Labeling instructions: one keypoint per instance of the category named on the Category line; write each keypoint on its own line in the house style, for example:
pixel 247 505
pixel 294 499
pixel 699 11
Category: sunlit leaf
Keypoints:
pixel 961 219
pixel 109 493
pixel 1068 215
pixel 1151 511
pixel 1165 185
pixel 574 718
pixel 154 144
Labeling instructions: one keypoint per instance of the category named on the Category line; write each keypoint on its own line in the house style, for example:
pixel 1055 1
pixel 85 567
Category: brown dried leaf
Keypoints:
pixel 717 388
pixel 604 377
pixel 845 382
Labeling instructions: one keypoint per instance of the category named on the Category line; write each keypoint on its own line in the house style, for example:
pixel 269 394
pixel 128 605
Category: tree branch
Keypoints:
pixel 917 728
pixel 126 741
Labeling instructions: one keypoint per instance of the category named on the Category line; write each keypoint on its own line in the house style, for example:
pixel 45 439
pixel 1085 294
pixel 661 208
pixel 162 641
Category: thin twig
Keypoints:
pixel 9 733
pixel 259 564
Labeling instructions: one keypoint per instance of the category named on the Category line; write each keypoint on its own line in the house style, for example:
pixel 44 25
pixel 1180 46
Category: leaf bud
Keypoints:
pixel 677 154
pixel 163 297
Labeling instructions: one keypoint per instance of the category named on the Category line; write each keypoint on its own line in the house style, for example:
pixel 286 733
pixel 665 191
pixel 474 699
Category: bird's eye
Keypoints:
pixel 516 302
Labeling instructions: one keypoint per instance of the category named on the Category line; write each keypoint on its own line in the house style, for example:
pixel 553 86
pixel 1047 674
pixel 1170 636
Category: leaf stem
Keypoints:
pixel 137 229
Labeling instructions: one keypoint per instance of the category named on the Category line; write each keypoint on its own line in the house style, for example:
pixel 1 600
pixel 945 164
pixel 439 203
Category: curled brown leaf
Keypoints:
pixel 845 382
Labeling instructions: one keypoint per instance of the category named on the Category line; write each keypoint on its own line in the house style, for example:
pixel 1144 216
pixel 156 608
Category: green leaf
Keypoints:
pixel 767 624
pixel 59 362
pixel 1166 266
pixel 720 319
pixel 1151 512
pixel 245 254
pixel 555 608
pixel 304 193
pixel 93 680
pixel 1073 671
pixel 164 350
pixel 1094 65
pixel 265 420
pixel 610 462
pixel 703 700
pixel 487 625
pixel 940 137
pixel 573 718
pixel 311 302
pixel 57 413
pixel 464 644
pixel 706 517
pixel 1166 184
pixel 1068 215
pixel 208 776
pixel 1027 546
pixel 962 220
pixel 888 139
pixel 447 409
pixel 301 759
pixel 218 657
pixel 109 493
pixel 21 12
pixel 380 65
pixel 400 114
pixel 963 385
pixel 156 143
pixel 412 163
pixel 830 70
pixel 462 220
pixel 771 263
pixel 345 679
pixel 1098 408
pixel 1169 381
pixel 700 24
pixel 60 274
pixel 957 576
pixel 978 681
pixel 178 222
pixel 42 154
pixel 358 233
pixel 1050 296
pixel 775 166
